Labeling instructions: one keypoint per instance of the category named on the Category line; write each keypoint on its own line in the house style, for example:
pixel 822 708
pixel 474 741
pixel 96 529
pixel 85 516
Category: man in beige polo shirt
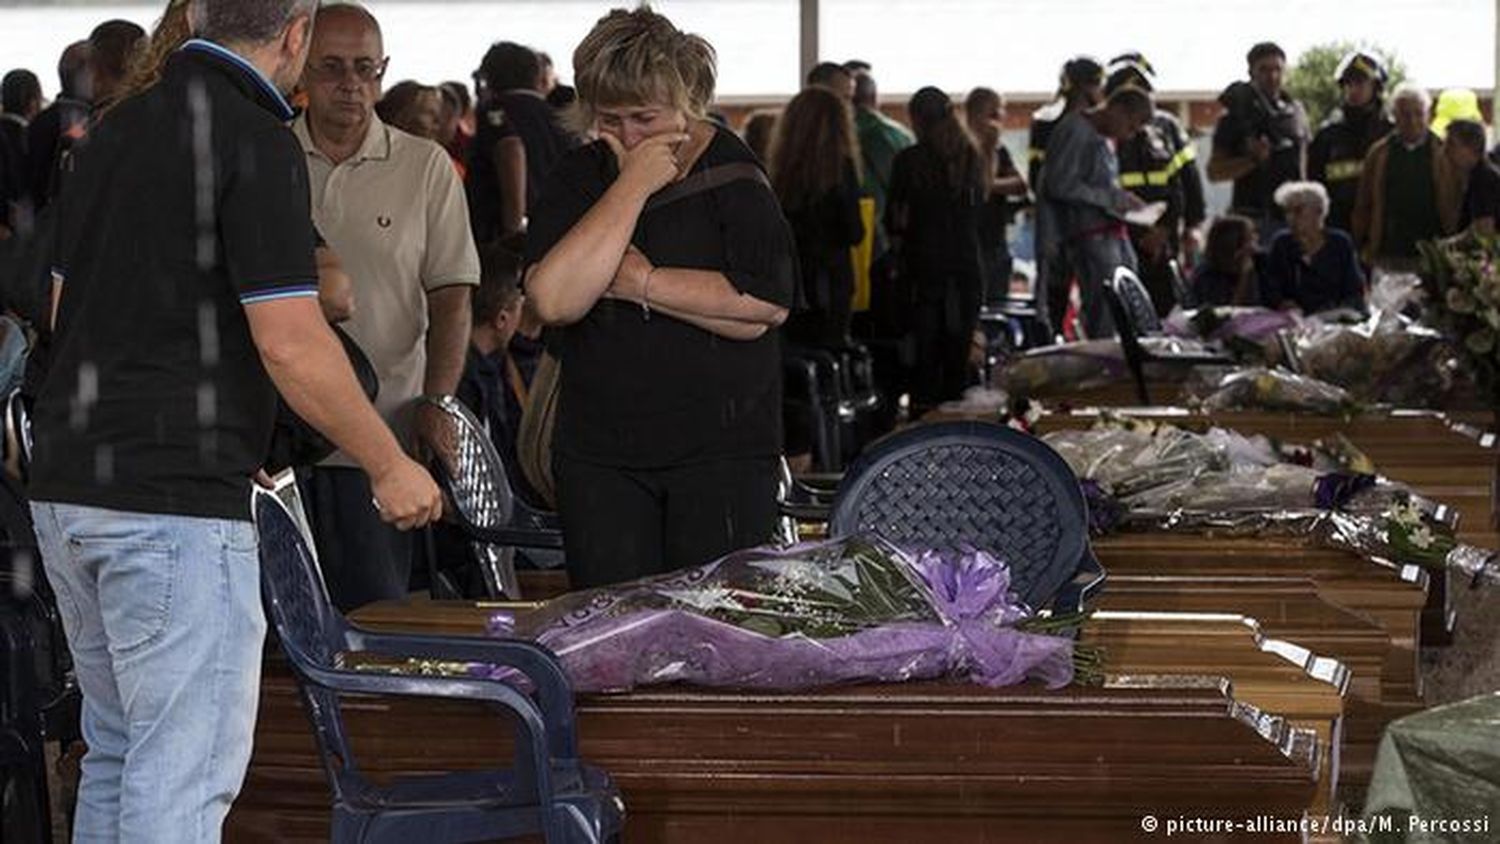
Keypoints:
pixel 392 207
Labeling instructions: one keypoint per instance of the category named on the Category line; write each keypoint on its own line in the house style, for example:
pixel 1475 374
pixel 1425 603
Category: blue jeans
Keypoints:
pixel 164 622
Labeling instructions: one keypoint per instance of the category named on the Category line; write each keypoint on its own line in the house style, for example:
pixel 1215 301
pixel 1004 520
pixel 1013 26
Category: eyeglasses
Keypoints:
pixel 337 70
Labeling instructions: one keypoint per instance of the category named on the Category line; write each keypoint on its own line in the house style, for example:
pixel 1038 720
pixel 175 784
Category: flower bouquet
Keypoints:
pixel 1462 281
pixel 1167 479
pixel 1387 358
pixel 811 615
pixel 1259 388
pixel 1250 333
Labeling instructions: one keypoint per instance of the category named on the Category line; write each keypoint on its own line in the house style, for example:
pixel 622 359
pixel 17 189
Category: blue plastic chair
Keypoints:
pixel 956 485
pixel 485 507
pixel 546 790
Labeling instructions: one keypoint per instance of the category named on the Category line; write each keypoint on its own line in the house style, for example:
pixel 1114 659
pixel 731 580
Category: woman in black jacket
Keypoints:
pixel 938 191
pixel 815 172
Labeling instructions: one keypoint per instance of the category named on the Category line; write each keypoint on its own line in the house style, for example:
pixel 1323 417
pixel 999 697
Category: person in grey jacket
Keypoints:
pixel 1082 199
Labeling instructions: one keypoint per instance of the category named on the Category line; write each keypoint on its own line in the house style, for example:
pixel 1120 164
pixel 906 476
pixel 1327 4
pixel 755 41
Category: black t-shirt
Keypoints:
pixel 941 234
pixel 189 203
pixel 825 230
pixel 50 139
pixel 998 211
pixel 641 393
pixel 521 114
pixel 1482 196
pixel 1282 123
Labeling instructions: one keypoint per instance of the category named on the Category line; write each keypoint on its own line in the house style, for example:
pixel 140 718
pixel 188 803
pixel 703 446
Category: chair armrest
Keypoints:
pixel 806 512
pixel 536 662
pixel 1085 586
pixel 532 736
pixel 517 537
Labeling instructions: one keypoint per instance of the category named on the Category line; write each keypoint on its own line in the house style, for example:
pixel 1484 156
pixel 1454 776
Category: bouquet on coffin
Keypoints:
pixel 1143 476
pixel 1462 280
pixel 811 615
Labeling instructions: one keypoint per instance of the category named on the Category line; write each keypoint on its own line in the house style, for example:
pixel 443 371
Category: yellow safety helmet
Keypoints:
pixel 1455 104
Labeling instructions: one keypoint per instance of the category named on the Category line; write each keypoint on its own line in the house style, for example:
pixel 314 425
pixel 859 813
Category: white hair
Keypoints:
pixel 1413 93
pixel 1303 193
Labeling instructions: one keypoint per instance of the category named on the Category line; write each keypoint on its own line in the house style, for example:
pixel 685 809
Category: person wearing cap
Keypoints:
pixel 1081 85
pixel 1260 140
pixel 1337 153
pixel 1082 201
pixel 1158 164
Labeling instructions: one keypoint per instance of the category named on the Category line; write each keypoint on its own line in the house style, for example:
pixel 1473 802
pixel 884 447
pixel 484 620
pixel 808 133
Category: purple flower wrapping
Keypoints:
pixel 848 611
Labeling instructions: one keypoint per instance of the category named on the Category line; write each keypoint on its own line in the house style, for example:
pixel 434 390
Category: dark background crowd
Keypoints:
pixel 231 247
pixel 903 228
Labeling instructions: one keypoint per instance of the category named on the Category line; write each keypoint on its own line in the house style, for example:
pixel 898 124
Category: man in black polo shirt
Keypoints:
pixel 187 295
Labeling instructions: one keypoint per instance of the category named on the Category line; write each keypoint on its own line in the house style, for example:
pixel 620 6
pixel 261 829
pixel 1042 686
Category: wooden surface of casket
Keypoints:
pixel 1393 596
pixel 1292 611
pixel 876 763
pixel 1273 675
pixel 1288 608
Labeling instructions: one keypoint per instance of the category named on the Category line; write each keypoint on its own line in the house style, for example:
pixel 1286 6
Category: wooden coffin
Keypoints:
pixel 878 763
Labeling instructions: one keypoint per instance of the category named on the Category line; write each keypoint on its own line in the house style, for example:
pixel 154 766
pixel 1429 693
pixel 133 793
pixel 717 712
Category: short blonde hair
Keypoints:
pixel 637 57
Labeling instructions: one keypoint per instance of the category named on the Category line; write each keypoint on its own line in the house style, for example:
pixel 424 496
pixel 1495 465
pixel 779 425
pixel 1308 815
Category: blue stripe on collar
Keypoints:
pixel 200 45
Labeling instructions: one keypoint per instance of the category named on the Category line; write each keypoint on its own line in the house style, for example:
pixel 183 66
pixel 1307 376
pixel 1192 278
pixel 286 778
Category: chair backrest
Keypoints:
pixel 469 468
pixel 957 485
pixel 1181 290
pixel 1135 301
pixel 311 631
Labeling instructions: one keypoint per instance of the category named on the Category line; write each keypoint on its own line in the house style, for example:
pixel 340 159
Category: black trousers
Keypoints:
pixel 364 560
pixel 624 524
pixel 947 313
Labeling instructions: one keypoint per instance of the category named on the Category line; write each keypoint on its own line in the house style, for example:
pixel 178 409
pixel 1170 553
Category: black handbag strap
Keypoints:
pixel 707 180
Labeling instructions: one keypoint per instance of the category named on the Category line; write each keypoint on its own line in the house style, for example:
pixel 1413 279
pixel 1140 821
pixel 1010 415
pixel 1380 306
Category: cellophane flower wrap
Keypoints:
pixel 812 615
pixel 1259 388
pixel 1153 477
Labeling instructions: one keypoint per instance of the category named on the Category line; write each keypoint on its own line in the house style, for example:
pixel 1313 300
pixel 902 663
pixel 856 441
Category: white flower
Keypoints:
pixel 1407 515
pixel 1422 538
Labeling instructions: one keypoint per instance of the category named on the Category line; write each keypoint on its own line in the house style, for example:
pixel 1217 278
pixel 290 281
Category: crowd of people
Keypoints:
pixel 237 207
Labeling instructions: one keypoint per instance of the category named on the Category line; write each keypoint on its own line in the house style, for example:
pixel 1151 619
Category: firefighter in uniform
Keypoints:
pixel 1337 153
pixel 1081 85
pixel 1159 164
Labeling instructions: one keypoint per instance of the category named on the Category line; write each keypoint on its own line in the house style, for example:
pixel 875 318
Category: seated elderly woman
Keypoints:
pixel 1230 272
pixel 1311 267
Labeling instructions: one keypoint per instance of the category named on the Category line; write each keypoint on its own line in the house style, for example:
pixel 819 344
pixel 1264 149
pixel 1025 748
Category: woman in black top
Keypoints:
pixel 1228 274
pixel 985 112
pixel 938 188
pixel 668 431
pixel 815 172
